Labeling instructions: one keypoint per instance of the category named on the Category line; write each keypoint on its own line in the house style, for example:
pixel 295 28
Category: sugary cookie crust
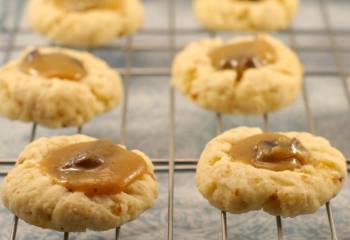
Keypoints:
pixel 264 15
pixel 88 28
pixel 56 102
pixel 83 4
pixel 261 90
pixel 237 187
pixel 34 197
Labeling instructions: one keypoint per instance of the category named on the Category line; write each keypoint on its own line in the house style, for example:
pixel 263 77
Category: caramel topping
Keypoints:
pixel 242 56
pixel 98 167
pixel 271 151
pixel 53 65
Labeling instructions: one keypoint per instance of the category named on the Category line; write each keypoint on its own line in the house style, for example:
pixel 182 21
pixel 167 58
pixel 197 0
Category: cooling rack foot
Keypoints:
pixel 279 228
pixel 14 228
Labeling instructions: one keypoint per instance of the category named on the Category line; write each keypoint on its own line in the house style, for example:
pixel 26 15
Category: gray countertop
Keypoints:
pixel 147 127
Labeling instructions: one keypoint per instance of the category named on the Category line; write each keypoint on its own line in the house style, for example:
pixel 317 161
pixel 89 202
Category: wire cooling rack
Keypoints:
pixel 331 42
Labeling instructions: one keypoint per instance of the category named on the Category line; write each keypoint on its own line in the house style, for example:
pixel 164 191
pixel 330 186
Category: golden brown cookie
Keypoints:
pixel 247 75
pixel 97 185
pixel 285 174
pixel 57 87
pixel 247 15
pixel 85 23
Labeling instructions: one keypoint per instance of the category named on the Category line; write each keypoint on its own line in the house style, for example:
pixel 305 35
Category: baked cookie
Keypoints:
pixel 247 75
pixel 95 184
pixel 285 174
pixel 246 15
pixel 57 87
pixel 85 23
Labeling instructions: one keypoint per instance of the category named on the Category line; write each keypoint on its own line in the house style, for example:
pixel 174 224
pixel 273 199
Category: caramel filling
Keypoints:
pixel 53 65
pixel 98 167
pixel 271 151
pixel 242 56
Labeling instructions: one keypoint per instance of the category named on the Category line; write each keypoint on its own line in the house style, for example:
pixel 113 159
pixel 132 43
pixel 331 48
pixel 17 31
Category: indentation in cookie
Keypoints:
pixel 243 55
pixel 96 167
pixel 86 4
pixel 53 65
pixel 271 151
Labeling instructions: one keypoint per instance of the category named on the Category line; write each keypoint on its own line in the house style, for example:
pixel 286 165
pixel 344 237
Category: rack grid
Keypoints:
pixel 173 164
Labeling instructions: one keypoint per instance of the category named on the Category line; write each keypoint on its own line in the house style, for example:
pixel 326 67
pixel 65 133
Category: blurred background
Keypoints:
pixel 321 36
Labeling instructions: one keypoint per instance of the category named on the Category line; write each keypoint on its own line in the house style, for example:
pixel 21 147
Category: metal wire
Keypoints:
pixel 223 225
pixel 279 228
pixel 334 47
pixel 80 129
pixel 13 32
pixel 165 72
pixel 309 115
pixel 171 26
pixel 3 15
pixel 126 77
pixel 15 218
pixel 331 221
pixel 223 216
pixel 265 122
pixel 14 228
pixel 117 232
pixel 149 47
pixel 278 218
pixel 219 129
pixel 195 30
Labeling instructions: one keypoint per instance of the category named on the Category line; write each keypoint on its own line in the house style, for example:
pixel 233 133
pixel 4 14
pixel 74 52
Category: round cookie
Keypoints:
pixel 237 187
pixel 35 196
pixel 75 23
pixel 251 85
pixel 56 101
pixel 246 15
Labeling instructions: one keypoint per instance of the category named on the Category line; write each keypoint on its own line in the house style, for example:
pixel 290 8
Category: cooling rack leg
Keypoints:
pixel 279 228
pixel 309 115
pixel 128 65
pixel 218 123
pixel 224 225
pixel 172 39
pixel 15 218
pixel 223 214
pixel 117 230
pixel 278 218
pixel 33 132
pixel 171 164
pixel 312 129
pixel 14 228
pixel 266 122
pixel 331 221
pixel 66 236
pixel 79 129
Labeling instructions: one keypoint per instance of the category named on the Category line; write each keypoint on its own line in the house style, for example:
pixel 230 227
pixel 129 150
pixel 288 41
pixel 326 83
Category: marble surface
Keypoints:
pixel 147 127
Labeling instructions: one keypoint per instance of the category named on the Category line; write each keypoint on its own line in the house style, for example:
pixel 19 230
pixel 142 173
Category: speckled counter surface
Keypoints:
pixel 147 127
